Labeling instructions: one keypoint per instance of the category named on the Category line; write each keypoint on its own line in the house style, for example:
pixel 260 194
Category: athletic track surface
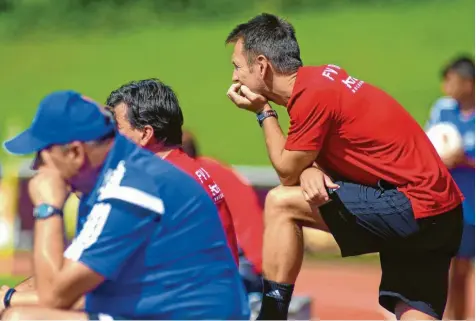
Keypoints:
pixel 340 291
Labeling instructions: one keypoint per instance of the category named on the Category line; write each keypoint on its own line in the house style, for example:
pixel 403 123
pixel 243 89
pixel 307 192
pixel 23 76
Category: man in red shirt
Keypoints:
pixel 389 193
pixel 148 113
pixel 246 212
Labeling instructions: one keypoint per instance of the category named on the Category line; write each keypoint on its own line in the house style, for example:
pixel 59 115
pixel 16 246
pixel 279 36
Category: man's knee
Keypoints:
pixel 284 204
pixel 279 205
pixel 280 197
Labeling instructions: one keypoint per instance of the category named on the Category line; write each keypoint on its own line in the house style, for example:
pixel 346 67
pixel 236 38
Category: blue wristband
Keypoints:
pixel 265 114
pixel 8 297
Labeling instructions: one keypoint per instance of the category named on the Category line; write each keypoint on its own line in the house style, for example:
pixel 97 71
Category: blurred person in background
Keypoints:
pixel 245 209
pixel 148 112
pixel 457 108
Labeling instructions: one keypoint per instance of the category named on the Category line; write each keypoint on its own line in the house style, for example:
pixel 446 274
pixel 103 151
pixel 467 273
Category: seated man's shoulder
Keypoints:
pixel 147 169
pixel 126 183
pixel 146 184
pixel 142 168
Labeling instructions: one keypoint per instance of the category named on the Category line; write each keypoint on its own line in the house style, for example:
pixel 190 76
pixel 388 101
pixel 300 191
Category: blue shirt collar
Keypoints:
pixel 121 147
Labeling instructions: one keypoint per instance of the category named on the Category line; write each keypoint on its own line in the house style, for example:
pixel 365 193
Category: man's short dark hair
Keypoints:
pixel 272 37
pixel 463 66
pixel 151 102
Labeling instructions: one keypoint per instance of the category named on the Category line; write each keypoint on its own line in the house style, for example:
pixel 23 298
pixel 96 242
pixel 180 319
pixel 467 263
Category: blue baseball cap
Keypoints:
pixel 62 117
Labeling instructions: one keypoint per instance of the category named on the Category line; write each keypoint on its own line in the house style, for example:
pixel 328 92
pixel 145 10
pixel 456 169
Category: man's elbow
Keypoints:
pixel 288 179
pixel 54 300
pixel 289 171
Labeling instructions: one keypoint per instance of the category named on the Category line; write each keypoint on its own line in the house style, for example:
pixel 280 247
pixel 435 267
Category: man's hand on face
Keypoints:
pixel 244 98
pixel 49 187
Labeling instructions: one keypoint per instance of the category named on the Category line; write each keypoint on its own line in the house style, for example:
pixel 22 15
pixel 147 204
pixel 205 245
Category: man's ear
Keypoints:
pixel 263 65
pixel 147 136
pixel 76 153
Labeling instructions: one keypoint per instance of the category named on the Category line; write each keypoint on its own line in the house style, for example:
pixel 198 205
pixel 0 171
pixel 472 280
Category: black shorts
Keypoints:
pixel 415 254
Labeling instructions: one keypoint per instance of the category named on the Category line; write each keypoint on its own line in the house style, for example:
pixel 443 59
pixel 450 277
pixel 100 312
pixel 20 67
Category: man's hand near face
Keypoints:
pixel 48 187
pixel 244 98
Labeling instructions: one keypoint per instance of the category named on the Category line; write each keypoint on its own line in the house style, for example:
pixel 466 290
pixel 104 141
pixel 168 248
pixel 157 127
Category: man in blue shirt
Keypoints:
pixel 457 108
pixel 152 245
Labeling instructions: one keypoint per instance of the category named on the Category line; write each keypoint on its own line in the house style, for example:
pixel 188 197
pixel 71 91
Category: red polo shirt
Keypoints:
pixel 244 207
pixel 363 135
pixel 189 165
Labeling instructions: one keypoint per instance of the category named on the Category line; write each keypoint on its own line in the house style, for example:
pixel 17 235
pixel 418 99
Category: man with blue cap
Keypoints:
pixel 152 246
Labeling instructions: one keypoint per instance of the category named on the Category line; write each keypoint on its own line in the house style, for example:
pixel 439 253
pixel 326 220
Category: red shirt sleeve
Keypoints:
pixel 311 115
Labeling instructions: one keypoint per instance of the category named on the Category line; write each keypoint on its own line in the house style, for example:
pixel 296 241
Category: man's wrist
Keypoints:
pixel 261 117
pixel 316 166
pixel 265 108
pixel 44 211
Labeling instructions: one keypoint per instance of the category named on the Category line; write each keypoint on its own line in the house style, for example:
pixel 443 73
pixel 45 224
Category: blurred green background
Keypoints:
pixel 11 280
pixel 93 48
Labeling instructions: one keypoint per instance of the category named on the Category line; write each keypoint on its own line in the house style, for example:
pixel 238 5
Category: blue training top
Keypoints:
pixel 154 233
pixel 447 109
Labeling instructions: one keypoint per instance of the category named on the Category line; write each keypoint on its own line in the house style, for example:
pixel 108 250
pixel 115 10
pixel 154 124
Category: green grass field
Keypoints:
pixel 400 48
pixel 10 280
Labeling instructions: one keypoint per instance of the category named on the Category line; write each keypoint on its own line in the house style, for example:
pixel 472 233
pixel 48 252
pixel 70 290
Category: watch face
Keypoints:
pixel 43 211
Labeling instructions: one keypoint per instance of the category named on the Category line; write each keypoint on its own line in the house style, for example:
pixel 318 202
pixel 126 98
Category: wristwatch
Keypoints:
pixel 265 114
pixel 8 297
pixel 43 211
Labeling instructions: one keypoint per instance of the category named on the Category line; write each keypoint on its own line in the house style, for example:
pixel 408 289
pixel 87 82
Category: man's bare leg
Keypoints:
pixel 460 281
pixel 285 213
pixel 40 313
pixel 405 312
pixel 470 294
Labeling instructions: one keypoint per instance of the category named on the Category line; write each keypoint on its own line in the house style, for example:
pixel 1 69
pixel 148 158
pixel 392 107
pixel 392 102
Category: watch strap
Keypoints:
pixel 265 114
pixel 43 211
pixel 8 297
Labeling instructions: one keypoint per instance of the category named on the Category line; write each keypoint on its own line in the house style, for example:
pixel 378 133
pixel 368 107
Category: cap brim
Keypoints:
pixel 24 143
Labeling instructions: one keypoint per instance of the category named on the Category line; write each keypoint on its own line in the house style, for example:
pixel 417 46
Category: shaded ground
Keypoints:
pixel 339 290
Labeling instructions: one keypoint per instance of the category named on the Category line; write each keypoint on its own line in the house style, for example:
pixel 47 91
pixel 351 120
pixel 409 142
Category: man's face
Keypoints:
pixel 456 86
pixel 71 162
pixel 244 73
pixel 124 126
